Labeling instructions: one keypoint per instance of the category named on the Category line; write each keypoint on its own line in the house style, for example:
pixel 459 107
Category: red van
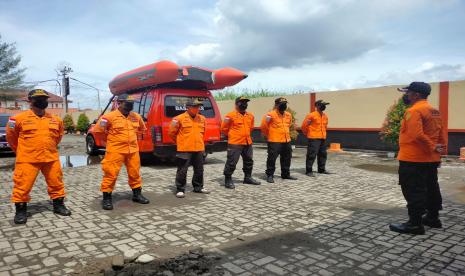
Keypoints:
pixel 162 90
pixel 157 107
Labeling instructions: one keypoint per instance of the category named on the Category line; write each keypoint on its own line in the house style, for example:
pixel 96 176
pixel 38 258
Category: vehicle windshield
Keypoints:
pixel 176 105
pixel 3 120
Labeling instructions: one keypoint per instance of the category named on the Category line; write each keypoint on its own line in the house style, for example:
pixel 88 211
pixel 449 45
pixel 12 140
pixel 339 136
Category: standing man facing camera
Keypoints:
pixel 422 140
pixel 121 128
pixel 275 127
pixel 314 127
pixel 34 136
pixel 237 126
pixel 188 132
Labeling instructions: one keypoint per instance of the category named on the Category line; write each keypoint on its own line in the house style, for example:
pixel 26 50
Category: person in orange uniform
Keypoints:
pixel 275 127
pixel 121 128
pixel 237 126
pixel 188 130
pixel 34 136
pixel 422 140
pixel 314 127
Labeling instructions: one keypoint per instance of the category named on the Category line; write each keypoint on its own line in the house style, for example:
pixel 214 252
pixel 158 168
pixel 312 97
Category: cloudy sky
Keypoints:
pixel 284 45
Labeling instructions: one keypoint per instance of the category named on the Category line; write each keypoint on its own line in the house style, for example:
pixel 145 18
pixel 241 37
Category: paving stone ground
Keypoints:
pixel 328 225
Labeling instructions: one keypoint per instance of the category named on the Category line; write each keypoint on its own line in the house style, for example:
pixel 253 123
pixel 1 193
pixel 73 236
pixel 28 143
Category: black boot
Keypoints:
pixel 59 207
pixel 248 179
pixel 228 182
pixel 432 221
pixel 107 203
pixel 138 197
pixel 269 179
pixel 21 213
pixel 311 174
pixel 407 228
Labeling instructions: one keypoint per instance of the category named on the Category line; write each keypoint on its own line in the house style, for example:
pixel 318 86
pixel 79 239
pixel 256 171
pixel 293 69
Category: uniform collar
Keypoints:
pixel 420 102
pixel 46 114
pixel 122 115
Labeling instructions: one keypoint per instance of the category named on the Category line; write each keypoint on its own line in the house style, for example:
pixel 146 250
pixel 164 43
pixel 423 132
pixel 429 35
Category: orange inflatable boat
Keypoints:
pixel 167 73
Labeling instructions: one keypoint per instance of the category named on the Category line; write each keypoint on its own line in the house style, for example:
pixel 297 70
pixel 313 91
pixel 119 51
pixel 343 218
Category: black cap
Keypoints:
pixel 320 103
pixel 280 100
pixel 126 98
pixel 37 93
pixel 417 86
pixel 194 102
pixel 242 99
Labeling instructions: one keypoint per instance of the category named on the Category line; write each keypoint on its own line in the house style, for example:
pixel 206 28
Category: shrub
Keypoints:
pixel 69 123
pixel 391 127
pixel 83 123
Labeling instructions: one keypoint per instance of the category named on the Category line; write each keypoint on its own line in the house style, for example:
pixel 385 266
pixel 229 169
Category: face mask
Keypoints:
pixel 405 99
pixel 41 104
pixel 242 106
pixel 322 107
pixel 128 107
pixel 282 107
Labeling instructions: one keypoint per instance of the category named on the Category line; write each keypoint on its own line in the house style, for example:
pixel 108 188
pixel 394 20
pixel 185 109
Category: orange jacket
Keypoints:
pixel 188 132
pixel 33 138
pixel 276 127
pixel 421 130
pixel 314 125
pixel 238 127
pixel 121 131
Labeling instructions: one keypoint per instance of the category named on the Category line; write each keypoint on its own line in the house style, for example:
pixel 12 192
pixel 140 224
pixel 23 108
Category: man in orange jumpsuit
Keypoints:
pixel 422 140
pixel 314 127
pixel 188 130
pixel 237 126
pixel 275 127
pixel 34 135
pixel 121 128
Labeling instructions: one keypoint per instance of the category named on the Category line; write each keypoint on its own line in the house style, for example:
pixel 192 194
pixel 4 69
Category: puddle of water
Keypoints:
pixel 72 161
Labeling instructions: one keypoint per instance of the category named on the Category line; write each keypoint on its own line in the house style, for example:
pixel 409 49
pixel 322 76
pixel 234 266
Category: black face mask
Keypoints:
pixel 242 106
pixel 282 107
pixel 322 107
pixel 128 107
pixel 405 99
pixel 41 104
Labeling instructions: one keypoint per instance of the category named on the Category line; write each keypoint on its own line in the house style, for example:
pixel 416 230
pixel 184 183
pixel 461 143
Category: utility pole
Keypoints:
pixel 64 73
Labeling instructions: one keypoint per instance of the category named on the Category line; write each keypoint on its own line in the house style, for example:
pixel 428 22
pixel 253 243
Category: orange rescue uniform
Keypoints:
pixel 122 147
pixel 188 132
pixel 276 126
pixel 238 127
pixel 420 132
pixel 35 140
pixel 314 125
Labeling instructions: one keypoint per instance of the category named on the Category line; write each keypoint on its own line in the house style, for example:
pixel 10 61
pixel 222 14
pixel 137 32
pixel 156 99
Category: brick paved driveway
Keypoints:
pixel 329 225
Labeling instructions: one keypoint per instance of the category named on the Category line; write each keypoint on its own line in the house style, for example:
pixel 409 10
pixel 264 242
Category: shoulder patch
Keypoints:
pixel 174 122
pixel 268 118
pixel 435 113
pixel 12 123
pixel 227 119
pixel 103 122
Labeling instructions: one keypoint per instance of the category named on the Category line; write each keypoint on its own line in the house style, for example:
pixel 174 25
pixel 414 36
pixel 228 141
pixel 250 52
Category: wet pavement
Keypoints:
pixel 328 225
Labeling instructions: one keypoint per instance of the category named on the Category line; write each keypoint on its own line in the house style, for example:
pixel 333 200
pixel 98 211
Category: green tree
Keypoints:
pixel 82 123
pixel 231 94
pixel 391 127
pixel 11 76
pixel 69 123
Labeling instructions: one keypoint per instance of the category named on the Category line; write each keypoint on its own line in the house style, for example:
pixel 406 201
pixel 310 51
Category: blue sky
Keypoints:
pixel 284 45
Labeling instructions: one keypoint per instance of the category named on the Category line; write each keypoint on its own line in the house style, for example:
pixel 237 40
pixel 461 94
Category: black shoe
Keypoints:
pixel 21 213
pixel 250 180
pixel 311 174
pixel 431 222
pixel 228 182
pixel 138 197
pixel 407 228
pixel 59 207
pixel 289 177
pixel 107 203
pixel 324 172
pixel 270 179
